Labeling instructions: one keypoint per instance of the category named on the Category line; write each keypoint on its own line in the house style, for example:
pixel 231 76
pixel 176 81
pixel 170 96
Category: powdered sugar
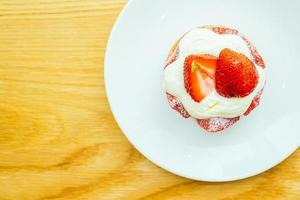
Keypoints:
pixel 217 124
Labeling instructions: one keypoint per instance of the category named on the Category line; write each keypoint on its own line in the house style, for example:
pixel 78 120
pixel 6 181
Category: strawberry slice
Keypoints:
pixel 217 124
pixel 199 75
pixel 236 75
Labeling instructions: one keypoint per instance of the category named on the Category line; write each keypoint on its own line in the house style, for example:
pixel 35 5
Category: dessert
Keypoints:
pixel 215 75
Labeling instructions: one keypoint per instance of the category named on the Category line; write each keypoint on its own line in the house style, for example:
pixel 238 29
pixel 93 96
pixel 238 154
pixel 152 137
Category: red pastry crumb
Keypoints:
pixel 173 53
pixel 172 57
pixel 177 105
pixel 217 124
pixel 256 56
pixel 254 103
pixel 224 30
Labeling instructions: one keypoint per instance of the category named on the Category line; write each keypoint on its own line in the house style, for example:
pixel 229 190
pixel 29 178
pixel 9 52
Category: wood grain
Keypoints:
pixel 58 138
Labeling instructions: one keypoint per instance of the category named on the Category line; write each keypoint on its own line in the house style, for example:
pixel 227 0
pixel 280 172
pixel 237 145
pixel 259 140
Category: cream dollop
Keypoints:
pixel 204 41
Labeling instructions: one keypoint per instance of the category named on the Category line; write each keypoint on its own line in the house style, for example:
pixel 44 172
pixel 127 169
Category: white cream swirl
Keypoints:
pixel 204 41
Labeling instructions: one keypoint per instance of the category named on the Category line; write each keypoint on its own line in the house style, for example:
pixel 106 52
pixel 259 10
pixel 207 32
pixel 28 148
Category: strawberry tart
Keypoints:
pixel 215 75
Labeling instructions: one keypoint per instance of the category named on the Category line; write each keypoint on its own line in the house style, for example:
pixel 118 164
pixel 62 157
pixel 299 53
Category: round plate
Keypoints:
pixel 135 56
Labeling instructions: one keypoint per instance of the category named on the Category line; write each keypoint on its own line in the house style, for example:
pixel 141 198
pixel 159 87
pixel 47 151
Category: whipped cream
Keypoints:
pixel 204 41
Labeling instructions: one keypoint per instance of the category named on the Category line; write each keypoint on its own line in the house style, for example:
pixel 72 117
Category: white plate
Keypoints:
pixel 134 61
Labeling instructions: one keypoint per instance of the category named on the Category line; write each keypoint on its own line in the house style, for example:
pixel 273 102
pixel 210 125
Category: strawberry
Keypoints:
pixel 199 75
pixel 236 75
pixel 217 124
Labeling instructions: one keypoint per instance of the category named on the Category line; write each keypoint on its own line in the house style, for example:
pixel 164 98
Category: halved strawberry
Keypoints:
pixel 217 124
pixel 236 75
pixel 199 75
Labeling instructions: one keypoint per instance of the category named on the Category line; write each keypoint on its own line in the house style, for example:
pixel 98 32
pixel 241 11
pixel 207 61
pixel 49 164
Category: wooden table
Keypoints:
pixel 58 138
